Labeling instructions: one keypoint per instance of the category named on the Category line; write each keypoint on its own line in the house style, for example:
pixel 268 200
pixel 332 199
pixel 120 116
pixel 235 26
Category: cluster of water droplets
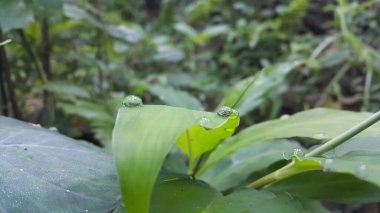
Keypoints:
pixel 226 111
pixel 295 153
pixel 132 101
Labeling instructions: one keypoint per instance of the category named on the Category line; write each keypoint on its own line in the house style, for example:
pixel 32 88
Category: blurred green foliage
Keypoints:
pixel 70 63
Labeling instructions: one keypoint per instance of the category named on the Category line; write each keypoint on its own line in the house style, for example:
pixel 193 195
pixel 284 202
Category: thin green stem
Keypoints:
pixel 292 168
pixel 367 88
pixel 345 135
pixel 191 163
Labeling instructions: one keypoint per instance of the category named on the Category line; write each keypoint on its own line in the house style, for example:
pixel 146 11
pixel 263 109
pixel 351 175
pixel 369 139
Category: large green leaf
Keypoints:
pixel 14 14
pixel 253 201
pixel 175 97
pixel 141 139
pixel 317 123
pixel 255 89
pixel 343 188
pixel 234 169
pixel 43 171
pixel 182 195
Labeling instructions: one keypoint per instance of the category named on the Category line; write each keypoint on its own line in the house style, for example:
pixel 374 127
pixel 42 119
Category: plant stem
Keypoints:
pixel 345 135
pixel 292 168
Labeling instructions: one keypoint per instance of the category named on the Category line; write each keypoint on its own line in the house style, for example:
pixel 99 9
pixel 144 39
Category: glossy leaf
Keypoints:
pixel 255 89
pixel 175 97
pixel 253 201
pixel 43 171
pixel 317 123
pixel 234 169
pixel 182 195
pixel 14 14
pixel 141 139
pixel 342 188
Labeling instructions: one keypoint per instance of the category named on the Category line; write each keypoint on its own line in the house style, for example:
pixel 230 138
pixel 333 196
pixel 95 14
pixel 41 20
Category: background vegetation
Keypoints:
pixel 70 63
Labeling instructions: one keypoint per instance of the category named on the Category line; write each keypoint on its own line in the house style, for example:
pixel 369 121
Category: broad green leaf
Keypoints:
pixel 182 195
pixel 43 171
pixel 74 12
pixel 253 201
pixel 232 170
pixel 174 97
pixel 199 139
pixel 313 206
pixel 317 123
pixel 342 188
pixel 66 89
pixel 14 14
pixel 255 89
pixel 141 139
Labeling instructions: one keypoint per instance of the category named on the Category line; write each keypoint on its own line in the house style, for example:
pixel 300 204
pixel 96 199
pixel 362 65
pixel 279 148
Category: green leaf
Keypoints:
pixel 43 171
pixel 255 89
pixel 66 89
pixel 182 195
pixel 14 14
pixel 342 188
pixel 174 97
pixel 253 201
pixel 317 123
pixel 234 169
pixel 141 139
pixel 199 139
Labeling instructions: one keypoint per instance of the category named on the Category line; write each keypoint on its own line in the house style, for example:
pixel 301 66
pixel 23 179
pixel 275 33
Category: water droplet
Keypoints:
pixel 287 155
pixel 132 101
pixel 299 154
pixel 327 165
pixel 320 135
pixel 362 171
pixel 53 128
pixel 21 170
pixel 226 111
pixel 86 210
pixel 203 121
pixel 67 190
pixel 37 125
pixel 284 117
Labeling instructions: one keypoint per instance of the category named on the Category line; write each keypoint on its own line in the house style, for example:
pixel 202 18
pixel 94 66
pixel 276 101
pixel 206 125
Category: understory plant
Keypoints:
pixel 173 159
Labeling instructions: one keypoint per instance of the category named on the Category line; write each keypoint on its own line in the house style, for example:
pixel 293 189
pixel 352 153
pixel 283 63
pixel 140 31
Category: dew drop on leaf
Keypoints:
pixel 287 155
pixel 320 135
pixel 362 171
pixel 284 117
pixel 203 121
pixel 299 154
pixel 226 111
pixel 327 165
pixel 132 101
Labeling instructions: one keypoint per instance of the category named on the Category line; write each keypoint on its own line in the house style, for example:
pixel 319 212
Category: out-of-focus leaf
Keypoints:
pixel 66 89
pixel 77 13
pixel 185 29
pixel 321 124
pixel 43 171
pixel 215 30
pixel 14 14
pixel 255 88
pixel 175 97
pixel 168 53
pixel 337 187
pixel 5 42
pixel 334 57
pixel 232 170
pixel 252 201
pixel 153 130
pixel 46 7
pixel 182 195
pixel 313 206
pixel 130 33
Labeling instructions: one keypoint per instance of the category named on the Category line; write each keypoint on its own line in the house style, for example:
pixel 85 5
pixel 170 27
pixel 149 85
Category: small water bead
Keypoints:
pixel 86 210
pixel 299 154
pixel 320 135
pixel 327 165
pixel 132 101
pixel 226 111
pixel 21 170
pixel 67 190
pixel 203 121
pixel 362 171
pixel 284 117
pixel 53 128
